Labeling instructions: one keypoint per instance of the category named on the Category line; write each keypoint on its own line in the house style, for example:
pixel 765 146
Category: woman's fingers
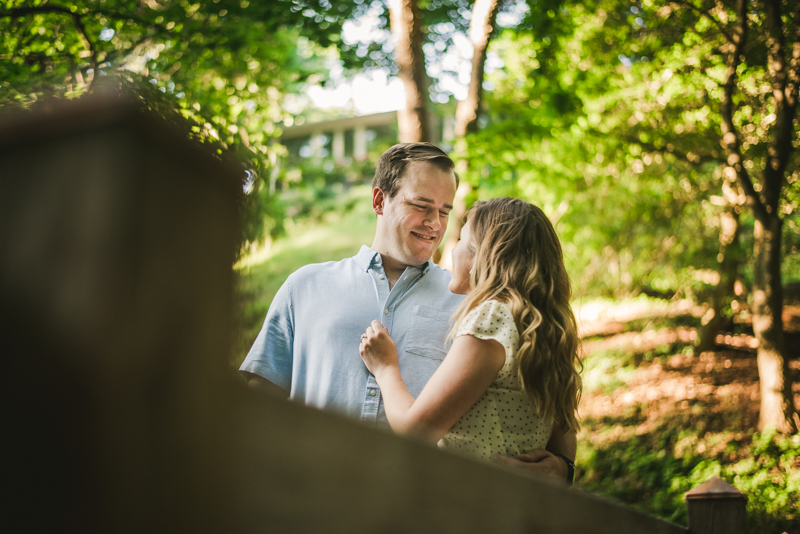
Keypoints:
pixel 374 341
pixel 379 329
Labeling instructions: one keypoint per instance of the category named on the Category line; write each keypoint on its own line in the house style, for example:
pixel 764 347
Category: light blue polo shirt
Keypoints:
pixel 309 342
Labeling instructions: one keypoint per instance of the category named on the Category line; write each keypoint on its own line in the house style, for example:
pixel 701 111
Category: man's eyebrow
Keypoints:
pixel 430 201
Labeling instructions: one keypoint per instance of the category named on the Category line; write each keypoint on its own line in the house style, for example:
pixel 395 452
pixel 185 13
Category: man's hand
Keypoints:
pixel 544 461
pixel 538 462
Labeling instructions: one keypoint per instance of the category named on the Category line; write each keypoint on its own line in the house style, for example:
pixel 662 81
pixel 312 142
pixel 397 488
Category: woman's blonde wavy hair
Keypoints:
pixel 518 261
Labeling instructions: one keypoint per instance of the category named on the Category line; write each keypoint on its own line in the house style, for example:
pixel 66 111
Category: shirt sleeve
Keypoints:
pixel 492 320
pixel 271 355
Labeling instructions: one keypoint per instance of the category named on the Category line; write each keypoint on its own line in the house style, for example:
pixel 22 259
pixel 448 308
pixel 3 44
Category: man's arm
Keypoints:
pixel 545 461
pixel 268 365
pixel 565 443
pixel 259 383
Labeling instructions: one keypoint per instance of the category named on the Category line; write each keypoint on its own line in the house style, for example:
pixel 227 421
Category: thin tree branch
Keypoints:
pixel 793 81
pixel 776 42
pixel 113 55
pixel 780 147
pixel 482 25
pixel 706 14
pixel 730 135
pixel 20 12
pixel 702 72
pixel 25 11
pixel 650 147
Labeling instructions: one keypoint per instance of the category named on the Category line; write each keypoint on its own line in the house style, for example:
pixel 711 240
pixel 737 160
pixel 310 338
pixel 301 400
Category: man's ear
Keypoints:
pixel 378 199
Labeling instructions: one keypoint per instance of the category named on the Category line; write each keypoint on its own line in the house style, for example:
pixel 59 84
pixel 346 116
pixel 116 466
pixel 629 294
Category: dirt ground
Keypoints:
pixel 725 380
pixel 653 409
pixel 668 384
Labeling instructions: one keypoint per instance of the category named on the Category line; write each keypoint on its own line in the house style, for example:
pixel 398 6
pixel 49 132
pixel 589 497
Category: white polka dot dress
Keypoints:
pixel 503 420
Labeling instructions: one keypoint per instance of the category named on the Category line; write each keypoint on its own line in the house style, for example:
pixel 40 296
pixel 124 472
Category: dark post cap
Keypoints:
pixel 714 488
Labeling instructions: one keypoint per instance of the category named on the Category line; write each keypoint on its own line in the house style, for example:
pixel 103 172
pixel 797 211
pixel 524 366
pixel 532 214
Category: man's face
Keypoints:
pixel 412 223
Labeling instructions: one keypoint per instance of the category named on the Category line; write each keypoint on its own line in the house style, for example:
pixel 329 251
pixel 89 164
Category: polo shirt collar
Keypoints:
pixel 366 257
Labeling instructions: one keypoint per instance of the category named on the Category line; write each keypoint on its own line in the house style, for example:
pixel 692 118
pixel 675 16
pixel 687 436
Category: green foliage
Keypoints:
pixel 611 125
pixel 769 476
pixel 225 65
pixel 654 473
pixel 639 470
pixel 203 52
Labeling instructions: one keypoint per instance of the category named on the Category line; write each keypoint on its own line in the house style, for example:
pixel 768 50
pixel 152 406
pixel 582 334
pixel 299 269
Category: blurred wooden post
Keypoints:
pixel 716 507
pixel 117 237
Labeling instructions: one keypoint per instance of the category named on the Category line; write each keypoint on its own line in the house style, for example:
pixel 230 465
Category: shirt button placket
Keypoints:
pixel 372 397
pixel 372 401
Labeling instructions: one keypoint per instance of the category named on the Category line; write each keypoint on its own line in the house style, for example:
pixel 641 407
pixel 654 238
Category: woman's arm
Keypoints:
pixel 466 373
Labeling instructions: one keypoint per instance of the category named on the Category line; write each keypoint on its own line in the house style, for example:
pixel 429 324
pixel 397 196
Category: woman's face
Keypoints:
pixel 463 260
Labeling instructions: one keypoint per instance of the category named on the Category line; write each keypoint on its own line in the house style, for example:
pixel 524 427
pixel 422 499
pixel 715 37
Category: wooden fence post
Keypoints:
pixel 716 507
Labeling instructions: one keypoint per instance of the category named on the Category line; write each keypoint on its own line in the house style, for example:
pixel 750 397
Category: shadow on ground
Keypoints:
pixel 659 419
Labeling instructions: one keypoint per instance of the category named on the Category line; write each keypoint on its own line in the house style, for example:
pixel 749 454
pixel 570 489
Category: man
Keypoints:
pixel 309 343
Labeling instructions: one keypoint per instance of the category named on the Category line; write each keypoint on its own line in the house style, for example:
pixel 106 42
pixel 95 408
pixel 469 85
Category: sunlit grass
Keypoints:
pixel 261 272
pixel 606 370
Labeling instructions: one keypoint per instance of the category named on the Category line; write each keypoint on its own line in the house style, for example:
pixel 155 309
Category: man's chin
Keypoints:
pixel 418 259
pixel 420 254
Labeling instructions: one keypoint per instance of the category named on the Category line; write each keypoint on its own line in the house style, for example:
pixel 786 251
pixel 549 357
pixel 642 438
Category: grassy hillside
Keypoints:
pixel 339 234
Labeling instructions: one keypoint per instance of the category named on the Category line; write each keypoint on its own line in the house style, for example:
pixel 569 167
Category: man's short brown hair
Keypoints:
pixel 392 164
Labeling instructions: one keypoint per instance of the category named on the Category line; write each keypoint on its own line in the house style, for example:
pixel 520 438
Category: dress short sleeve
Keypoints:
pixel 492 320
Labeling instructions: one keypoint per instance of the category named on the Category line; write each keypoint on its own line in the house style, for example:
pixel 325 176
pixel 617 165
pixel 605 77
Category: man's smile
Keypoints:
pixel 425 237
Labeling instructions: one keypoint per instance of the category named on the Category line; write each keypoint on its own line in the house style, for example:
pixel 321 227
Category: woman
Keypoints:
pixel 510 375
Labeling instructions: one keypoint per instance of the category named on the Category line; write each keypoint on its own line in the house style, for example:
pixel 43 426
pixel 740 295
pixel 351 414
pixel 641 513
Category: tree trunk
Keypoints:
pixel 777 399
pixel 729 259
pixel 406 23
pixel 481 27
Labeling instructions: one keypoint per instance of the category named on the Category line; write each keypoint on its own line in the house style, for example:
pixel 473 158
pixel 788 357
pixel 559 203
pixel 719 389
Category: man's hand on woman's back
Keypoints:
pixel 547 461
pixel 538 462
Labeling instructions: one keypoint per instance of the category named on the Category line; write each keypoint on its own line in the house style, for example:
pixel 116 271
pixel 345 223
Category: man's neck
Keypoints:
pixel 393 269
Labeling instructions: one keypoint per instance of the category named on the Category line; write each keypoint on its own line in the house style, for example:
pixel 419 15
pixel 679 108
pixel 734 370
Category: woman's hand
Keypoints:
pixel 377 349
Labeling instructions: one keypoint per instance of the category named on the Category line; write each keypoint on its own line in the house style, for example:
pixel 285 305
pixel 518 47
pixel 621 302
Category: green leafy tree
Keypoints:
pixel 637 126
pixel 735 58
pixel 226 65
